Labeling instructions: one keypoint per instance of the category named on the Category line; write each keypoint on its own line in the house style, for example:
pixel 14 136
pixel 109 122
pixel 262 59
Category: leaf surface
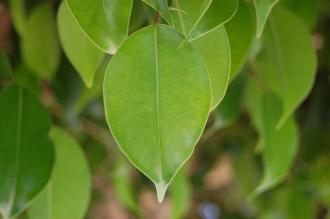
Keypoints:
pixel 263 9
pixel 197 18
pixel 40 46
pixel 162 7
pixel 68 193
pixel 81 52
pixel 157 99
pixel 215 50
pixel 104 21
pixel 288 63
pixel 26 153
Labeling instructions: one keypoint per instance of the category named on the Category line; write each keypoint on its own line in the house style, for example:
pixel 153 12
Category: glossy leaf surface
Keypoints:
pixel 240 30
pixel 26 153
pixel 157 99
pixel 215 50
pixel 197 18
pixel 81 52
pixel 40 46
pixel 288 63
pixel 104 21
pixel 68 193
pixel 263 9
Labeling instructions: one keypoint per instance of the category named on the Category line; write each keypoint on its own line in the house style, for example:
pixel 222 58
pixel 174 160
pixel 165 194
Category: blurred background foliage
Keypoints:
pixel 226 165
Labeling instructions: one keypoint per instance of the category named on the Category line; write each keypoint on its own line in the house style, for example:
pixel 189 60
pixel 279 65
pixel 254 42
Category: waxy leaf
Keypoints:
pixel 215 50
pixel 104 21
pixel 288 63
pixel 68 193
pixel 162 7
pixel 280 145
pixel 40 46
pixel 81 52
pixel 157 99
pixel 197 18
pixel 26 153
pixel 263 9
pixel 240 30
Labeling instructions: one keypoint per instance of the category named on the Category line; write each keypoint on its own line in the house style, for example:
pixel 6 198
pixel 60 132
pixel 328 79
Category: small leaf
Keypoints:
pixel 240 30
pixel 39 46
pixel 215 50
pixel 280 145
pixel 68 193
pixel 288 63
pixel 105 22
pixel 26 153
pixel 157 99
pixel 162 7
pixel 263 9
pixel 197 18
pixel 81 52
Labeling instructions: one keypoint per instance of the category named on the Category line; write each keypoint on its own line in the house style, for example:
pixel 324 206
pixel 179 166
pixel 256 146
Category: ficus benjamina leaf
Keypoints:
pixel 82 53
pixel 280 145
pixel 157 99
pixel 26 153
pixel 162 7
pixel 40 46
pixel 287 64
pixel 197 18
pixel 104 21
pixel 263 9
pixel 68 192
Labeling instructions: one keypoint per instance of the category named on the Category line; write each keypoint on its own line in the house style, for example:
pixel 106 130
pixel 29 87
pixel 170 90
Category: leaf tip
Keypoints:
pixel 161 188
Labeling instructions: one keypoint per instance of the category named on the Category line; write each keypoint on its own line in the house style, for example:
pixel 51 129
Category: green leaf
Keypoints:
pixel 215 50
pixel 263 9
pixel 68 193
pixel 17 11
pixel 288 63
pixel 180 195
pixel 26 153
pixel 280 144
pixel 29 81
pixel 40 46
pixel 81 52
pixel 240 30
pixel 197 18
pixel 105 22
pixel 5 67
pixel 162 7
pixel 157 99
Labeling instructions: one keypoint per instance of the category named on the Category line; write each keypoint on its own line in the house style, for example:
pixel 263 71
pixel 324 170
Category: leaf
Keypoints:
pixel 68 193
pixel 215 50
pixel 240 30
pixel 157 99
pixel 197 18
pixel 288 63
pixel 230 107
pixel 81 52
pixel 105 22
pixel 5 67
pixel 40 48
pixel 280 144
pixel 180 195
pixel 26 153
pixel 263 9
pixel 17 11
pixel 162 7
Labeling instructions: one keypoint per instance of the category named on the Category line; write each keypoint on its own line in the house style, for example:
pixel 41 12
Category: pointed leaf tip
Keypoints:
pixel 161 188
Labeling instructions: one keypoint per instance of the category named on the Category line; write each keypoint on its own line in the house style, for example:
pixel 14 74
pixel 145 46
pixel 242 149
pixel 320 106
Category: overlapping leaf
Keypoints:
pixel 104 21
pixel 288 63
pixel 263 9
pixel 26 153
pixel 68 193
pixel 197 18
pixel 157 99
pixel 82 53
pixel 162 7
